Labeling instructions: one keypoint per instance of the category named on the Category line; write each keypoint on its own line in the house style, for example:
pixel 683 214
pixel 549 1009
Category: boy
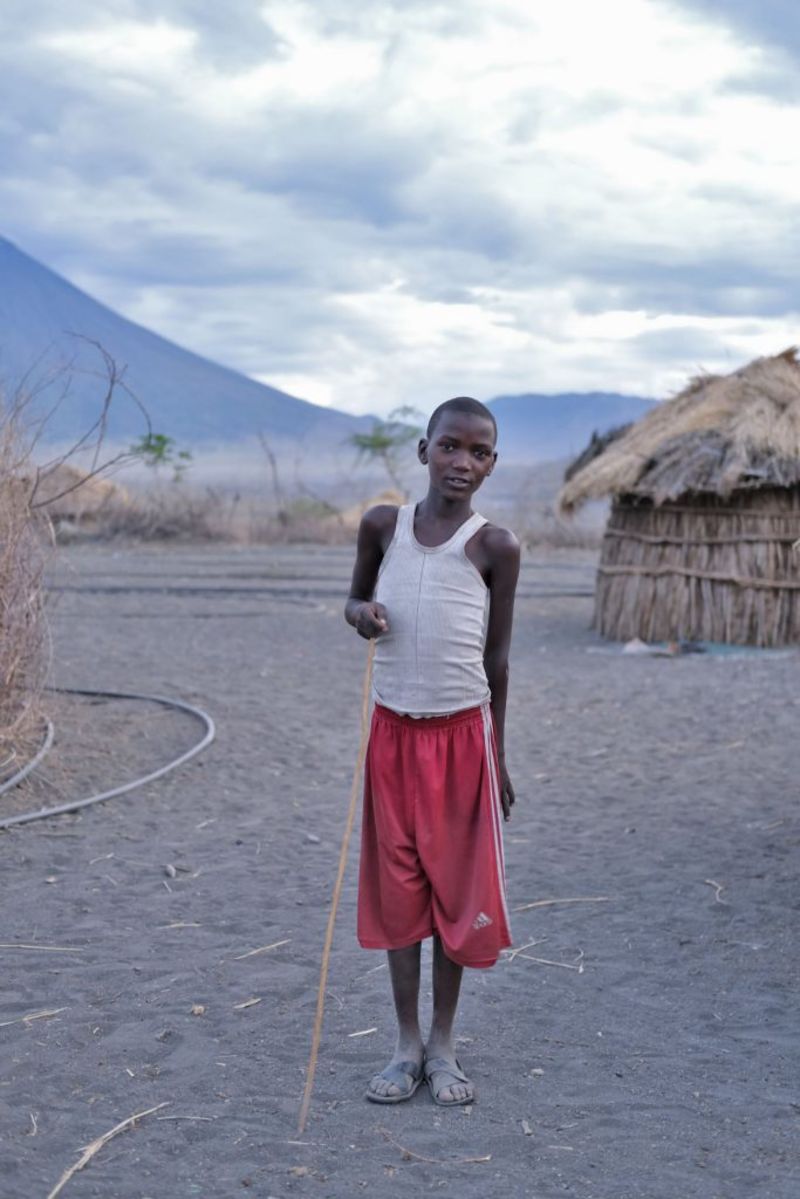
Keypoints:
pixel 434 583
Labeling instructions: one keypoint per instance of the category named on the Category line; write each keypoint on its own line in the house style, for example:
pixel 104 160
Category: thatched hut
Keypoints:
pixel 703 539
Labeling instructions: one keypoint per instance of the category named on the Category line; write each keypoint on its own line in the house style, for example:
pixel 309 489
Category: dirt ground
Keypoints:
pixel 650 1053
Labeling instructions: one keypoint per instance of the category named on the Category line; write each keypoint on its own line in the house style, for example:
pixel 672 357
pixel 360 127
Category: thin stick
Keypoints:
pixel 186 1117
pixel 337 889
pixel 410 1155
pixel 383 966
pixel 510 954
pixel 546 903
pixel 251 952
pixel 549 962
pixel 718 889
pixel 50 948
pixel 97 1145
pixel 43 1015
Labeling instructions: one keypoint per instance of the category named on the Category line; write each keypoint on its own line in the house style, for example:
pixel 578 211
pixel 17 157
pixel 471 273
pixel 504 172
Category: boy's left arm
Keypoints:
pixel 502 559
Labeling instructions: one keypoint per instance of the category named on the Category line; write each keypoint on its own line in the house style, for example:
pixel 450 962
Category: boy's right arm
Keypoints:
pixel 375 532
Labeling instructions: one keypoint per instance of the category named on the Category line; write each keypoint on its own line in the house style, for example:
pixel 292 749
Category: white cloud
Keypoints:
pixel 386 203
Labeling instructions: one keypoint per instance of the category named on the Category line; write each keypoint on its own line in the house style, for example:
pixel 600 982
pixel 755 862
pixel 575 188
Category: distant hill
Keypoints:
pixel 541 428
pixel 188 397
pixel 199 402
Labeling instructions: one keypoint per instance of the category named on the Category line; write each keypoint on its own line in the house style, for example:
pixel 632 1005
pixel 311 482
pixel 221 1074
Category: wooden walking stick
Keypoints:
pixel 337 890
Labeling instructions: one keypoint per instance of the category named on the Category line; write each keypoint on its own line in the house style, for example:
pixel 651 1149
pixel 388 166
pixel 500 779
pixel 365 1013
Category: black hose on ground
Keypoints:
pixel 40 754
pixel 75 805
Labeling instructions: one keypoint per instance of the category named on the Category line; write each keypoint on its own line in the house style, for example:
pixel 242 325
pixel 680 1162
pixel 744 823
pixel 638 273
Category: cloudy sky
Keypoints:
pixel 378 202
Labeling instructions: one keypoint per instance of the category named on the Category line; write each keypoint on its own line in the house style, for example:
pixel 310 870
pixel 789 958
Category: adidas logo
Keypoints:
pixel 481 920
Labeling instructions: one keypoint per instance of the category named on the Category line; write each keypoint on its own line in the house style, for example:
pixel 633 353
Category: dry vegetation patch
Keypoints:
pixel 23 638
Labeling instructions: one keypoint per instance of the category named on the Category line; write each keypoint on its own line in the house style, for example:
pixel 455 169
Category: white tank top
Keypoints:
pixel 430 662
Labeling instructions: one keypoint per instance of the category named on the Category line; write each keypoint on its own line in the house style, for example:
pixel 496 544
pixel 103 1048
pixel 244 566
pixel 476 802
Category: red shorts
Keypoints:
pixel 431 838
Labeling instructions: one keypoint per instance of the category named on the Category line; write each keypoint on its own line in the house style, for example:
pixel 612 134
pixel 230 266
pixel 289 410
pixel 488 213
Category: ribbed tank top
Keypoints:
pixel 430 662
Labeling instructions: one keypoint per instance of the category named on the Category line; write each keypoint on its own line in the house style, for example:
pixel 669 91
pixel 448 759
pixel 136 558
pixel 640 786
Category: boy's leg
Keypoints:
pixel 404 972
pixel 446 989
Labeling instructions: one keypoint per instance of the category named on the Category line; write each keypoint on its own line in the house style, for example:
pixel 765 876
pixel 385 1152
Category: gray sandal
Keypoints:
pixel 440 1065
pixel 408 1075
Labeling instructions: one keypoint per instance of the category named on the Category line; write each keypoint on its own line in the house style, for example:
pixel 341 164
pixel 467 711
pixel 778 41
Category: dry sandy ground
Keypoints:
pixel 666 1069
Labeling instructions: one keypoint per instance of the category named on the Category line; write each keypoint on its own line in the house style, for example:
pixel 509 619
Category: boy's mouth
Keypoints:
pixel 459 483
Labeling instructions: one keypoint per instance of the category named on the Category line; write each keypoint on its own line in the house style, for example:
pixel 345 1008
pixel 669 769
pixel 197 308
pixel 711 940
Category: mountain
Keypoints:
pixel 186 396
pixel 541 428
pixel 199 402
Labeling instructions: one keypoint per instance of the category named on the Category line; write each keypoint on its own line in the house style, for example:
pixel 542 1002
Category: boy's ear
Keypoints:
pixel 422 450
pixel 494 463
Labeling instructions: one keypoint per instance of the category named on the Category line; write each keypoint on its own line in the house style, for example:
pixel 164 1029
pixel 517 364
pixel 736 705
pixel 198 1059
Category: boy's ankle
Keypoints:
pixel 438 1045
pixel 409 1050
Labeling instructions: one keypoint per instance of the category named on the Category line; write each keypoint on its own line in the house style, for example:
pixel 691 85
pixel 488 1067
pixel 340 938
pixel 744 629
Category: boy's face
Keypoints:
pixel 460 453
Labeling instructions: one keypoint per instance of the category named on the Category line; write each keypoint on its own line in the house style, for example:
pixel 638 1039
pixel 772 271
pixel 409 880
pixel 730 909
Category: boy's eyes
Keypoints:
pixel 449 445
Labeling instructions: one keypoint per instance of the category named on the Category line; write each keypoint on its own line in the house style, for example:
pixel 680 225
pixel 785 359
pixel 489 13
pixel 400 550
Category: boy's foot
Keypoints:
pixel 448 1084
pixel 396 1083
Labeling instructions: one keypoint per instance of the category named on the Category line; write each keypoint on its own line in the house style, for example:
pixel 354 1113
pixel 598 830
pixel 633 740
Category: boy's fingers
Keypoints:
pixel 507 798
pixel 371 622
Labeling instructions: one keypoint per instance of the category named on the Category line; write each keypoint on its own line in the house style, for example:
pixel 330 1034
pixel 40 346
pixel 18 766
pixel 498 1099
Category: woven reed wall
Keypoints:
pixel 702 569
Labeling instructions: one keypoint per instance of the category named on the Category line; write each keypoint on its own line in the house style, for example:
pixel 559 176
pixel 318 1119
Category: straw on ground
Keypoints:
pixel 546 903
pixel 411 1156
pixel 94 1148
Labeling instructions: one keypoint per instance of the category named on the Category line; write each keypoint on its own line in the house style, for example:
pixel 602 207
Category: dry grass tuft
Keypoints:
pixel 30 496
pixel 545 530
pixel 24 538
pixel 185 513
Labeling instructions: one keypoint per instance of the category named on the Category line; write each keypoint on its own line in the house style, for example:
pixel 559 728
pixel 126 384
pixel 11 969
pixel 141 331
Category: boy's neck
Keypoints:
pixel 438 507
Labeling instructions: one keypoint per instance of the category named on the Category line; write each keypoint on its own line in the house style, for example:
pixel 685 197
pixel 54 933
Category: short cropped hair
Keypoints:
pixel 461 404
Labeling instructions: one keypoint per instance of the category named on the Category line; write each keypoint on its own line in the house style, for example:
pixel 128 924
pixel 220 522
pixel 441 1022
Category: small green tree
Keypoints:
pixel 159 450
pixel 386 440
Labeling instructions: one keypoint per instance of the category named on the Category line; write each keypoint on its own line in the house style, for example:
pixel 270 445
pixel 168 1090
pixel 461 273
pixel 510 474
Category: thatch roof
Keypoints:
pixel 721 433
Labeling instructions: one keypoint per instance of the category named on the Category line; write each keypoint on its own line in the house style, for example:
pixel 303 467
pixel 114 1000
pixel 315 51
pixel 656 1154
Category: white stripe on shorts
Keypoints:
pixel 496 804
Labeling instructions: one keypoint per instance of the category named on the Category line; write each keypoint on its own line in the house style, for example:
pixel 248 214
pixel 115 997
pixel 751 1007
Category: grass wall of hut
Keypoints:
pixel 703 569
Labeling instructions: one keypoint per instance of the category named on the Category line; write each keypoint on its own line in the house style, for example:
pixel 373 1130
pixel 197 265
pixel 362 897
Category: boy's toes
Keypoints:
pixel 397 1082
pixel 376 1085
pixel 449 1085
pixel 379 1086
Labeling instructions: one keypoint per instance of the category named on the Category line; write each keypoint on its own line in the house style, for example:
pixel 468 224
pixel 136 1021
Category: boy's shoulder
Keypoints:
pixel 498 543
pixel 380 519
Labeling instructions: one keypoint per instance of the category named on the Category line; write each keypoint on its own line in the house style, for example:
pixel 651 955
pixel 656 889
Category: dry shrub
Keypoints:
pixel 29 494
pixel 179 512
pixel 23 637
pixel 545 529
pixel 535 519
